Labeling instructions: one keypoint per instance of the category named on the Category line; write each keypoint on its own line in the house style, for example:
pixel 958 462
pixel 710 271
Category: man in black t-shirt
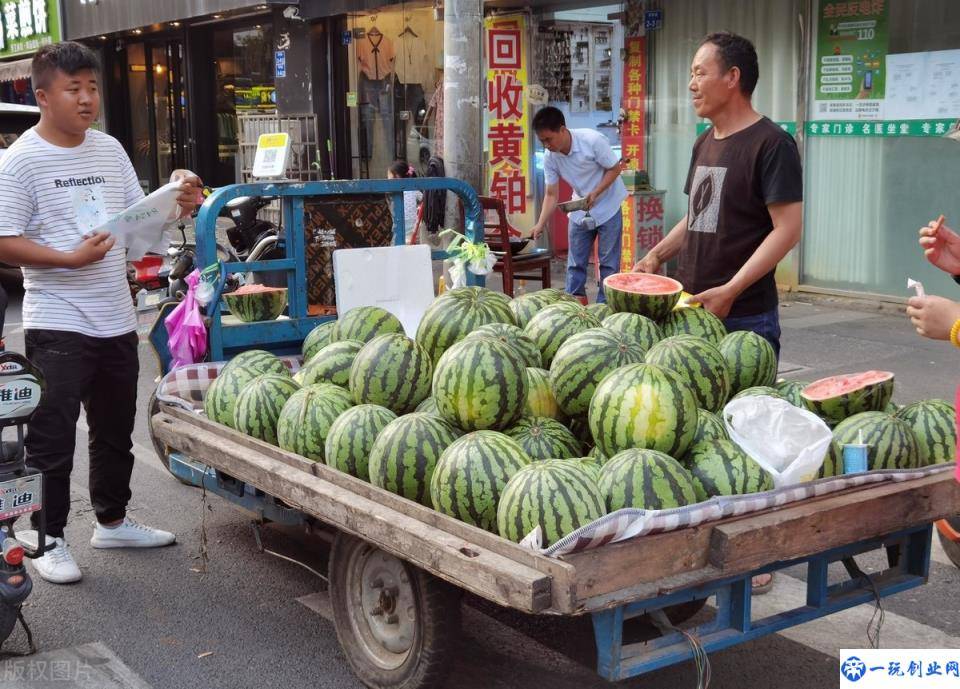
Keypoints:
pixel 746 189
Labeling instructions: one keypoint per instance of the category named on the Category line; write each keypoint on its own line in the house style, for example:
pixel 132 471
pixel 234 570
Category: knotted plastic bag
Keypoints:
pixel 789 442
pixel 186 332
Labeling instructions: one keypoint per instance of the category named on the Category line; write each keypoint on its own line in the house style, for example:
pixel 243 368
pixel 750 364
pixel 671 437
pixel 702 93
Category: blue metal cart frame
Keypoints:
pixel 908 548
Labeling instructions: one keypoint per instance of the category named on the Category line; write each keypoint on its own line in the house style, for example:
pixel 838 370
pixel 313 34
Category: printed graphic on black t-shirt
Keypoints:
pixel 706 192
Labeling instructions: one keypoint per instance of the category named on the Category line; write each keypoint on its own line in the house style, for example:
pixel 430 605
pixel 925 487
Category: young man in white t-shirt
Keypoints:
pixel 58 182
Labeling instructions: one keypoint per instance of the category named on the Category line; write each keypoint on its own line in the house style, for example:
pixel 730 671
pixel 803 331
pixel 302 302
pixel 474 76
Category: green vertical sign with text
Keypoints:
pixel 27 25
pixel 852 42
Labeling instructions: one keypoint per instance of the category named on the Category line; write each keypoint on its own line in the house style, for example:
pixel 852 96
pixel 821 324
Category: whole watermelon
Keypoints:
pixel 699 364
pixel 258 405
pixel 556 323
pixel 364 323
pixel 759 390
pixel 583 361
pixel 220 399
pixel 646 480
pixel 589 464
pixel 392 371
pixel 351 438
pixel 428 406
pixel 557 495
pixel 597 455
pixel 540 398
pixel 890 440
pixel 480 384
pixel 526 306
pixel 709 427
pixel 750 358
pixel 693 321
pixel 471 475
pixel 405 455
pixel 513 337
pixel 640 328
pixel 599 311
pixel 933 423
pixel 643 406
pixel 317 339
pixel 330 364
pixel 307 416
pixel 455 314
pixel 790 390
pixel 543 438
pixel 720 467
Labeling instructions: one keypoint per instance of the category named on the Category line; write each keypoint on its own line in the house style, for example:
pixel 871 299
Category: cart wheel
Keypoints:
pixel 949 532
pixel 397 625
pixel 161 449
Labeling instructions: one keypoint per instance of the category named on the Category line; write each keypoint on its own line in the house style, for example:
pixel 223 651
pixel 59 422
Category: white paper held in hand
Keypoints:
pixel 140 228
pixel 916 285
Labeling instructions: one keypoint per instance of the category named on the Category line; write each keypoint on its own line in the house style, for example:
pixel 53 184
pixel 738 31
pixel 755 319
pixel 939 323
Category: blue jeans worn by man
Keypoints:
pixel 581 245
pixel 766 325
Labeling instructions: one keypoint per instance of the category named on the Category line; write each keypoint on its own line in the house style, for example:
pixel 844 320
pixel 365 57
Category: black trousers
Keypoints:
pixel 101 374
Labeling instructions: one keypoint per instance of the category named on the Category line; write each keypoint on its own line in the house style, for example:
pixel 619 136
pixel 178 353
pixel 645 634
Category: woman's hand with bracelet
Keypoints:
pixel 935 317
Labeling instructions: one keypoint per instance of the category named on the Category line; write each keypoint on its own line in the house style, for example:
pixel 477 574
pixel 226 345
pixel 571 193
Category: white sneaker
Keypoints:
pixel 57 564
pixel 129 534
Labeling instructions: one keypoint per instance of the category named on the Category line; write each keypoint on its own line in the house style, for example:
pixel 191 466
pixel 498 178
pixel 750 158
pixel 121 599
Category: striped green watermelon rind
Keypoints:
pixel 331 364
pixel 258 405
pixel 890 440
pixel 544 438
pixel 471 475
pixel 392 371
pixel 692 321
pixel 709 427
pixel 580 427
pixel 428 406
pixel 646 480
pixel 596 454
pixel 583 361
pixel 699 364
pixel 351 438
pixel 591 465
pixel 599 310
pixel 654 306
pixel 757 391
pixel 720 467
pixel 306 418
pixel 750 359
pixel 934 425
pixel 643 406
pixel 540 398
pixel 555 324
pixel 220 399
pixel 559 496
pixel 790 390
pixel 262 305
pixel 870 397
pixel 513 337
pixel 640 328
pixel 526 306
pixel 364 323
pixel 457 313
pixel 480 384
pixel 405 455
pixel 316 339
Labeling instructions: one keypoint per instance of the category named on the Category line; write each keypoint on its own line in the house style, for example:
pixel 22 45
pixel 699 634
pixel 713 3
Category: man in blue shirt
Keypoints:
pixel 584 159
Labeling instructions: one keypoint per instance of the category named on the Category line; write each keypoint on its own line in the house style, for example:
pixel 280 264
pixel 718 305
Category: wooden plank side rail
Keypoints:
pixel 661 563
pixel 449 557
pixel 561 573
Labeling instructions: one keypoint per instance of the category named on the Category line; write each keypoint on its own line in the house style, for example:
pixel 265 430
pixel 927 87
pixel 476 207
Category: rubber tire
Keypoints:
pixel 438 625
pixel 153 407
pixel 951 548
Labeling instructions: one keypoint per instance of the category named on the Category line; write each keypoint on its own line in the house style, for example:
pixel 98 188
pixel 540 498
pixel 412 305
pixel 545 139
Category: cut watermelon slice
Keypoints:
pixel 256 302
pixel 649 295
pixel 839 397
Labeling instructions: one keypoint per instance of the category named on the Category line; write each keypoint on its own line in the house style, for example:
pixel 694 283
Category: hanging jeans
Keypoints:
pixel 581 241
pixel 376 110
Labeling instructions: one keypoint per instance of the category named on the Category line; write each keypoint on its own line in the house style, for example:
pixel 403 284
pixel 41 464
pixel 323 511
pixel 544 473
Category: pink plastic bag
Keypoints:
pixel 186 332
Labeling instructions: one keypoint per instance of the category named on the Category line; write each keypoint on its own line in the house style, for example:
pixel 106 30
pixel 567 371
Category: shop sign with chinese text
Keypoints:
pixel 506 103
pixel 634 103
pixel 27 25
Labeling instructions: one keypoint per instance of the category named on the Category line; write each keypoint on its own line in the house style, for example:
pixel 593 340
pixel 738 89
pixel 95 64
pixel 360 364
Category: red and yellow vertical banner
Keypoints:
pixel 628 249
pixel 508 130
pixel 633 131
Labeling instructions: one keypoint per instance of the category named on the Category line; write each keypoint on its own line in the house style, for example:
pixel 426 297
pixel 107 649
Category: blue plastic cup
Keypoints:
pixel 854 458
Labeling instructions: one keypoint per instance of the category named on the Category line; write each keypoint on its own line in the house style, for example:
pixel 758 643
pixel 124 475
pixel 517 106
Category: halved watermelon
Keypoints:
pixel 256 302
pixel 649 295
pixel 838 397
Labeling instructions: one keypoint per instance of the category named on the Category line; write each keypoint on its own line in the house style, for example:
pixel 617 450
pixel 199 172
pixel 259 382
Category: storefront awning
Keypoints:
pixel 17 69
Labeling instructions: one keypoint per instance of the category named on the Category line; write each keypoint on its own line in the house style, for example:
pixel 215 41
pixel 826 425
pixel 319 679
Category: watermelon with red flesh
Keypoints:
pixel 653 296
pixel 256 302
pixel 839 397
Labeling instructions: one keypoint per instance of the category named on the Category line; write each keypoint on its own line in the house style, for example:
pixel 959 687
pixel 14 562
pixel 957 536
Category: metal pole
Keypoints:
pixel 462 88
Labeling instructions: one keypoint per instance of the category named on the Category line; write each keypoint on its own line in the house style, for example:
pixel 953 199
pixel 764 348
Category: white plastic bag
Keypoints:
pixel 789 442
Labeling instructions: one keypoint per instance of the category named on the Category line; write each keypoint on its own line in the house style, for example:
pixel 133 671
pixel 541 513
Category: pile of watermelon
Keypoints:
pixel 537 411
